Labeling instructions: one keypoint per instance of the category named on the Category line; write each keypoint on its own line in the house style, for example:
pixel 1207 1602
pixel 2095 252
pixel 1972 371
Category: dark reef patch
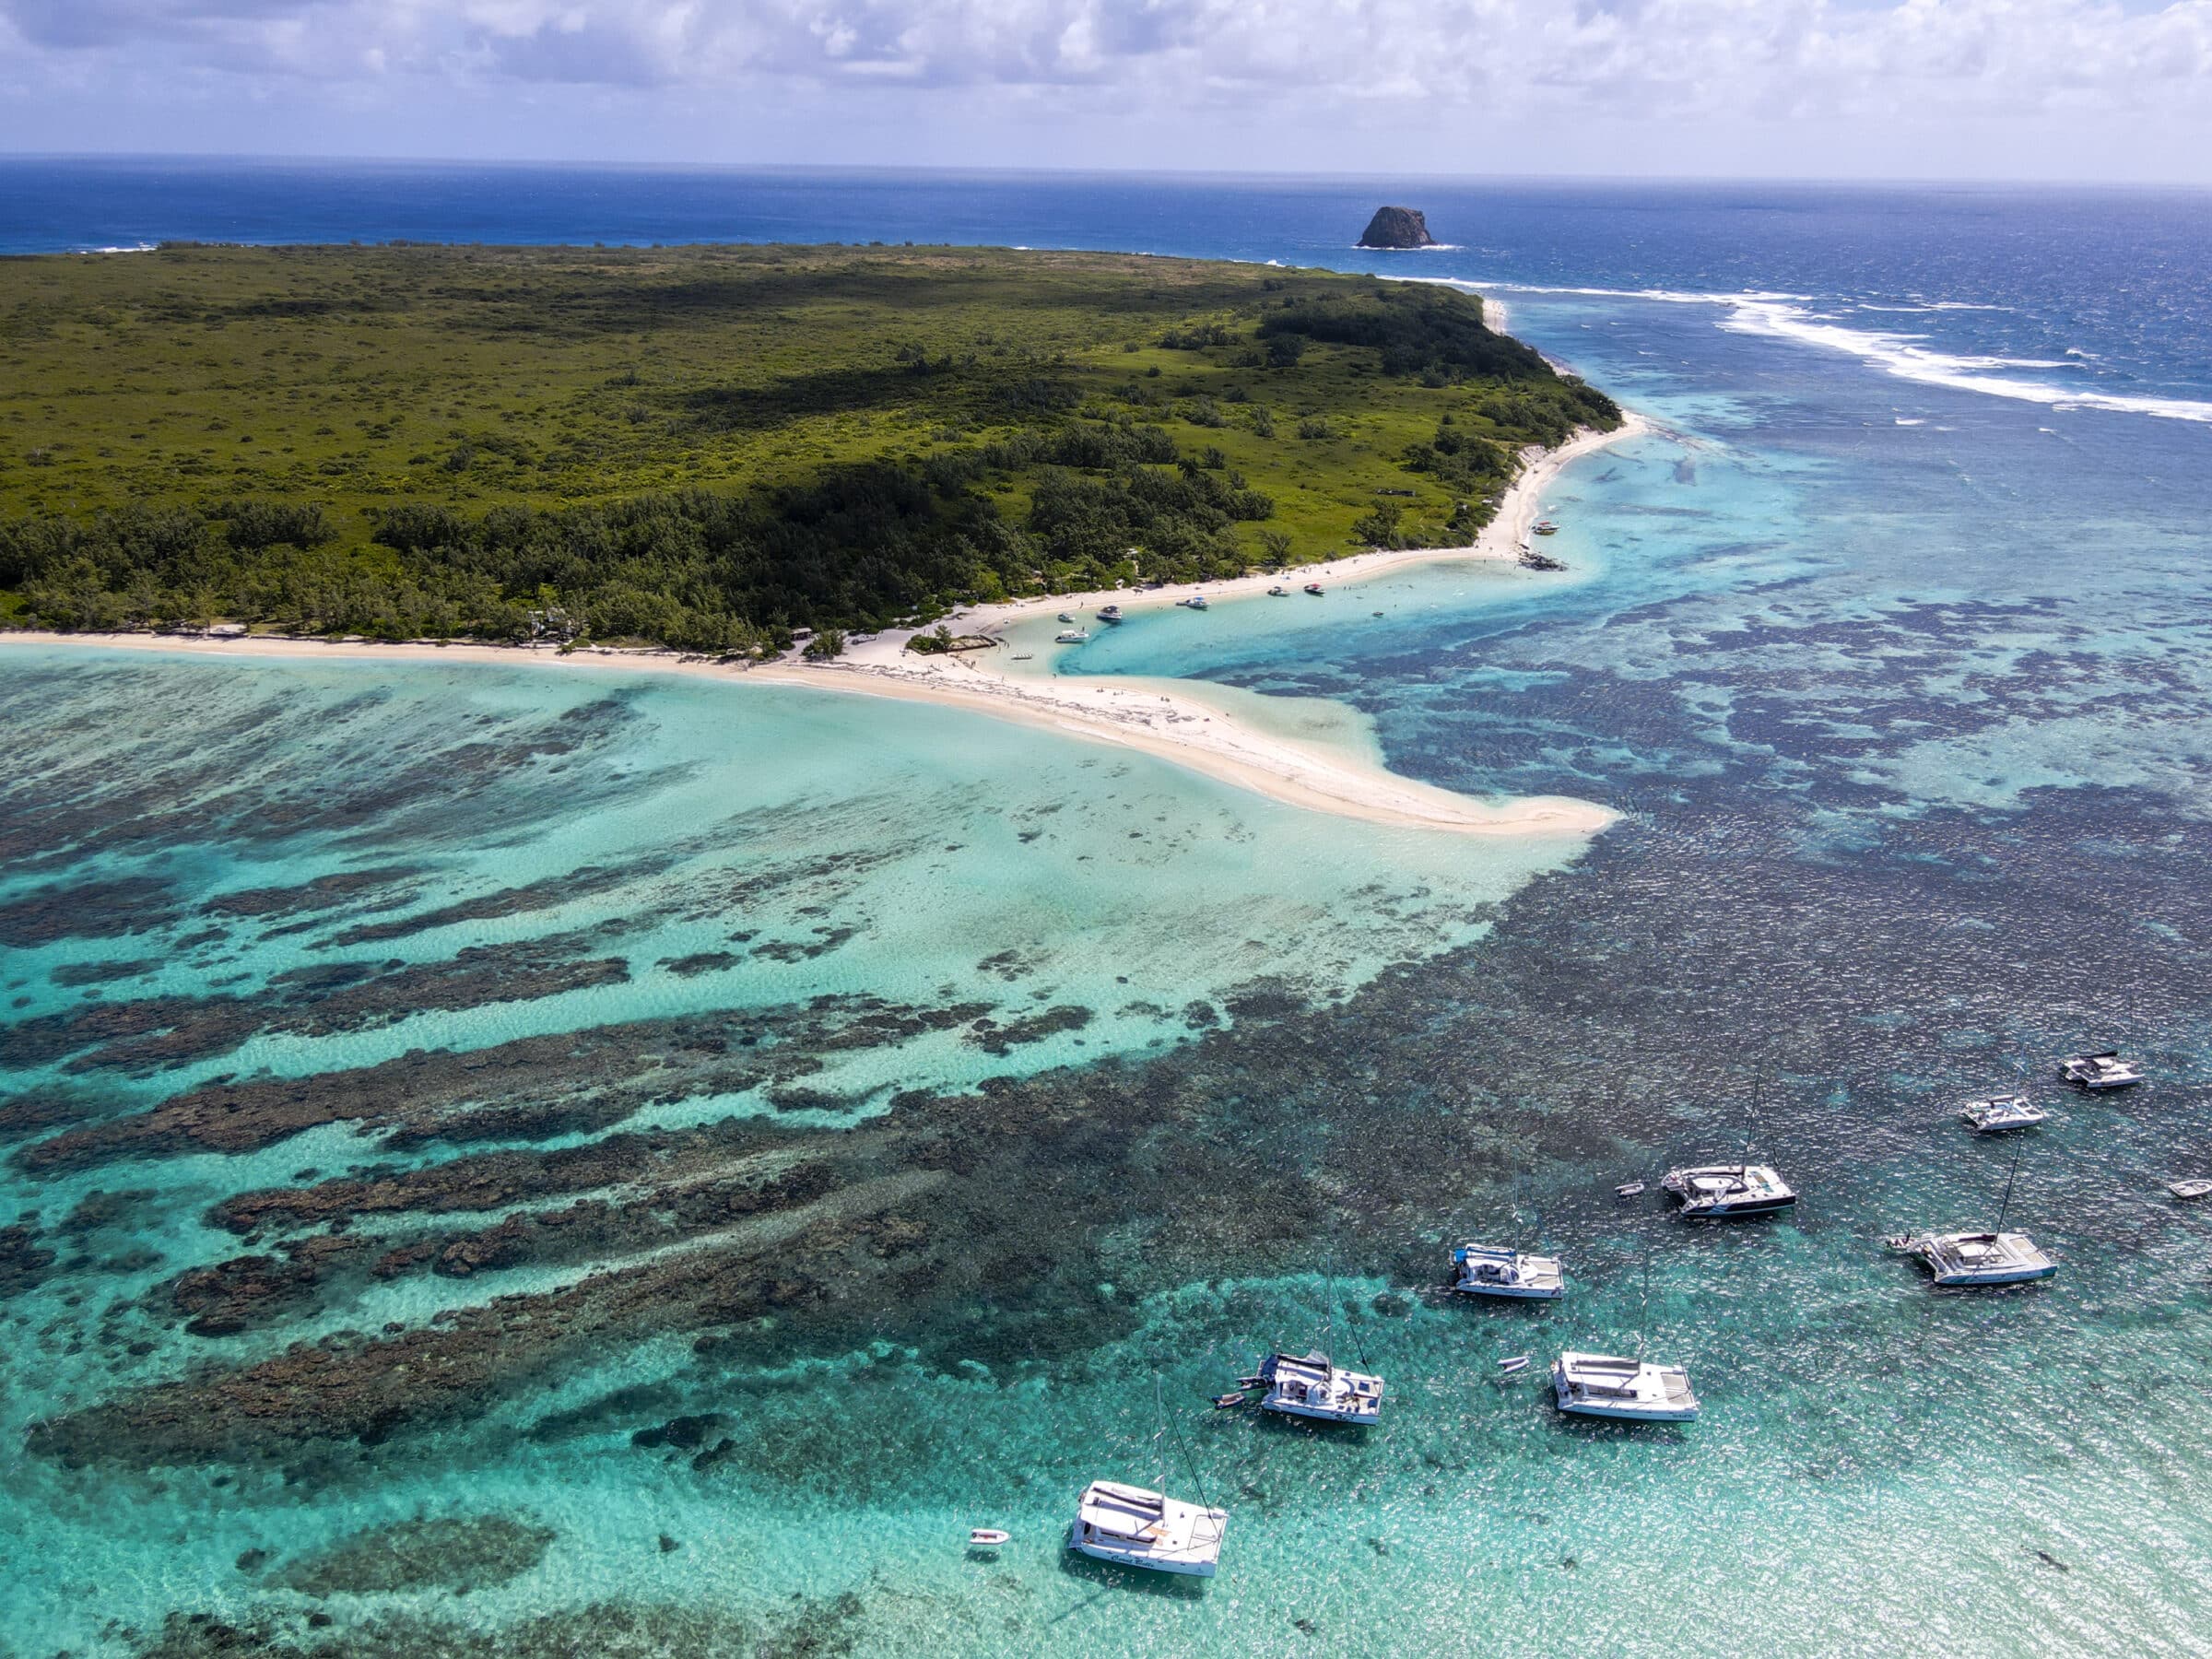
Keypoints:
pixel 460 1554
pixel 88 910
pixel 69 974
pixel 996 1038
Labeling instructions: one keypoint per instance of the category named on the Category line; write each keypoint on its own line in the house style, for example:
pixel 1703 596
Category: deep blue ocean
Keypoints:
pixel 510 1162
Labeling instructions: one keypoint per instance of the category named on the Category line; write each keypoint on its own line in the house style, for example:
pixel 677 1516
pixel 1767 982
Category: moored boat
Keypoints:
pixel 1978 1258
pixel 2190 1189
pixel 1312 1385
pixel 1493 1270
pixel 2000 1112
pixel 1633 1390
pixel 1133 1527
pixel 1072 636
pixel 1110 613
pixel 1724 1191
pixel 1314 588
pixel 2102 1071
pixel 986 1538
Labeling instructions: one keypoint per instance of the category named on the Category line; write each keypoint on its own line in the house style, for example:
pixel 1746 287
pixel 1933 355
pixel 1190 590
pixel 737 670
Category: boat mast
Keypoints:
pixel 2008 1181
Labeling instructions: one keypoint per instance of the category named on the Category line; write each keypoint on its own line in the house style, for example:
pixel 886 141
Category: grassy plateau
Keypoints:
pixel 709 446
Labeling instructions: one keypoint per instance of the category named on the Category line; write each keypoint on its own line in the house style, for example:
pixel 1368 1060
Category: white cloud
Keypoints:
pixel 1685 63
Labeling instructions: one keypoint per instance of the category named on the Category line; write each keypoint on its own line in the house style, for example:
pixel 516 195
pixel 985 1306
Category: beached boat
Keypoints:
pixel 1724 1191
pixel 1278 591
pixel 1978 1258
pixel 1195 602
pixel 1312 1385
pixel 1602 1385
pixel 1072 636
pixel 2190 1189
pixel 2000 1112
pixel 1491 1270
pixel 1545 528
pixel 1110 613
pixel 1134 1527
pixel 2099 1071
pixel 1314 588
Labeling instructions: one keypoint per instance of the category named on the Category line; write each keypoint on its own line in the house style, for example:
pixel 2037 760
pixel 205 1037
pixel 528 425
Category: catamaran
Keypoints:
pixel 1491 1270
pixel 2100 1071
pixel 1978 1258
pixel 1314 1386
pixel 2001 1113
pixel 1135 1527
pixel 1719 1192
pixel 1603 1385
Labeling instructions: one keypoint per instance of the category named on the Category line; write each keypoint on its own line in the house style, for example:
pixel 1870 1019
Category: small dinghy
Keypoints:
pixel 986 1538
pixel 2189 1189
pixel 1227 1400
pixel 1517 1362
pixel 1627 1189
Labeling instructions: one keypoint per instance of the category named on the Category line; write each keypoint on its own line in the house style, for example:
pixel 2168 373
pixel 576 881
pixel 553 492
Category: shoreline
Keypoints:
pixel 1180 727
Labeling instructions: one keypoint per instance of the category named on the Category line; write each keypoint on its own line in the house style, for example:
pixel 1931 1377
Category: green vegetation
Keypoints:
pixel 708 447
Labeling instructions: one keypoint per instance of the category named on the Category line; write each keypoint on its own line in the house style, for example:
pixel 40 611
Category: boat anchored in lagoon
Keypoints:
pixel 1725 1191
pixel 2000 1112
pixel 1633 1390
pixel 1312 1385
pixel 1132 1527
pixel 1491 1270
pixel 2099 1072
pixel 1985 1258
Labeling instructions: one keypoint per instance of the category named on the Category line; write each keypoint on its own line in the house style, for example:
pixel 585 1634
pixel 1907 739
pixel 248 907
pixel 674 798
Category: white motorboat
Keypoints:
pixel 1195 602
pixel 1491 1270
pixel 1278 591
pixel 1314 588
pixel 1134 1527
pixel 2100 1071
pixel 1721 1192
pixel 2000 1112
pixel 1066 617
pixel 1314 1386
pixel 1602 1385
pixel 1072 636
pixel 1110 613
pixel 2190 1189
pixel 1978 1258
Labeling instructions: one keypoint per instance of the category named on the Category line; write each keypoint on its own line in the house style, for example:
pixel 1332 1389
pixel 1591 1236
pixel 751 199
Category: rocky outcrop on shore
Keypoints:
pixel 1397 228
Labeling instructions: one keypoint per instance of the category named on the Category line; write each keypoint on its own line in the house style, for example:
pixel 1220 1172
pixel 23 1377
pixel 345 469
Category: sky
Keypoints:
pixel 2097 91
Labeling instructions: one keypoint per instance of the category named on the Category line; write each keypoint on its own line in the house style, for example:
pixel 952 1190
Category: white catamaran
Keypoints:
pixel 1722 1191
pixel 1491 1270
pixel 1603 1385
pixel 1133 1527
pixel 1312 1385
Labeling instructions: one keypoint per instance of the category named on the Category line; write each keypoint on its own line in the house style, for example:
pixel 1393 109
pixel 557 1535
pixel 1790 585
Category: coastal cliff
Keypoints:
pixel 1397 228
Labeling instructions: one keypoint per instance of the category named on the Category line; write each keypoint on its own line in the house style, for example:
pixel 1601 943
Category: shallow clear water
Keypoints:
pixel 1902 685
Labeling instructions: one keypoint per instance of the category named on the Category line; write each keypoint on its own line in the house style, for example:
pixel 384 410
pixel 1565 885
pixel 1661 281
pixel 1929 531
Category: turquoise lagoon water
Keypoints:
pixel 1901 684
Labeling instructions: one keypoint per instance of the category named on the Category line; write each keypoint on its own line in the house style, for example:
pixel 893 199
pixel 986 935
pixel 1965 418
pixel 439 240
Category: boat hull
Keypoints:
pixel 1514 1292
pixel 1735 1212
pixel 1627 1414
pixel 1138 1559
pixel 2004 1276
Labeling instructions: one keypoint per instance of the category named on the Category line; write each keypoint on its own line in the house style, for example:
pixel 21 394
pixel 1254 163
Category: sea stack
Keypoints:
pixel 1397 228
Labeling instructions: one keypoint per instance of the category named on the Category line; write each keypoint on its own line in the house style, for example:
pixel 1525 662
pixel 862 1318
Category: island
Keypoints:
pixel 711 448
pixel 1397 228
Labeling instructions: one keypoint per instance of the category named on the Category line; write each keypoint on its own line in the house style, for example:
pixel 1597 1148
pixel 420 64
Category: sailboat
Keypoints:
pixel 1136 1526
pixel 1995 1257
pixel 1637 1390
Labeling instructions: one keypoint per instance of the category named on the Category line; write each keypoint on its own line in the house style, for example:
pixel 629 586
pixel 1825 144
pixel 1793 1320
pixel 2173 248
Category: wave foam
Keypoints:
pixel 1789 317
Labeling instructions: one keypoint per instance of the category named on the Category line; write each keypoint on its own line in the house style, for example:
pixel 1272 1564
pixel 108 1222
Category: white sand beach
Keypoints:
pixel 1176 725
